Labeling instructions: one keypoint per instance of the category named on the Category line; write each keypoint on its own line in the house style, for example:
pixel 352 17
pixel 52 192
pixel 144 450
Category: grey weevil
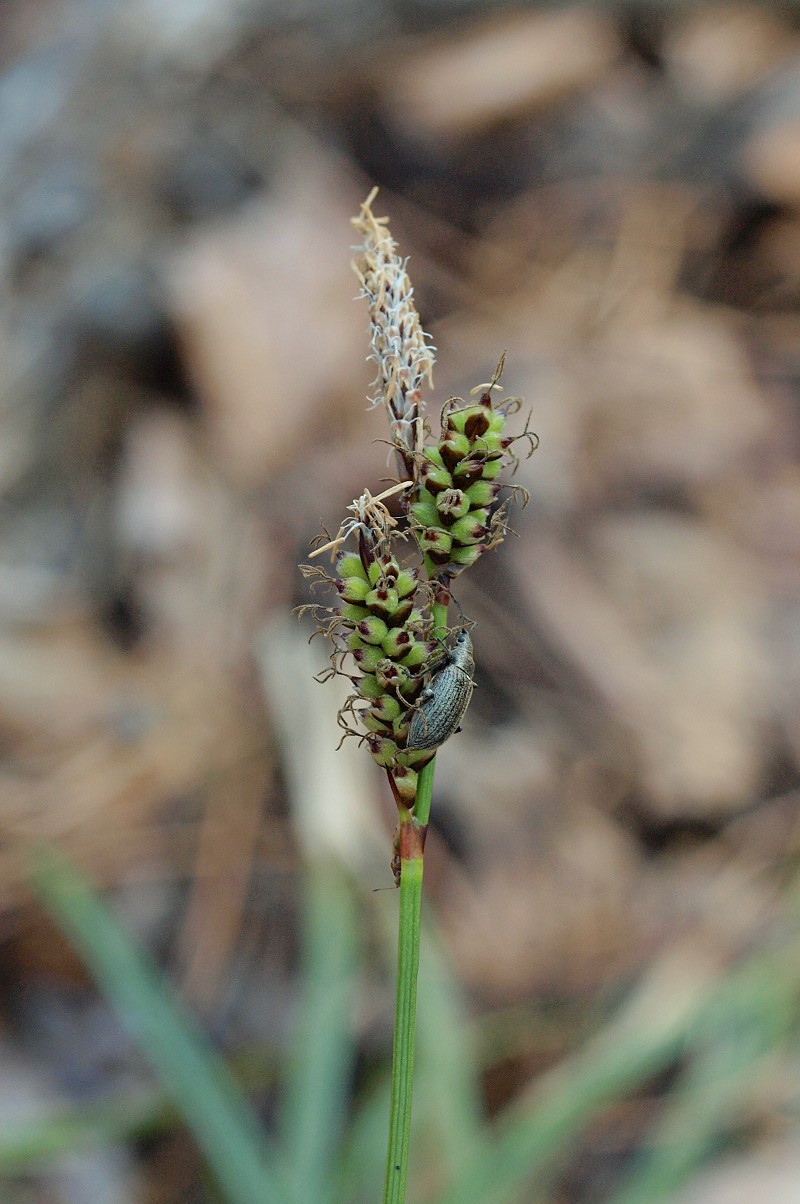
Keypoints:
pixel 443 704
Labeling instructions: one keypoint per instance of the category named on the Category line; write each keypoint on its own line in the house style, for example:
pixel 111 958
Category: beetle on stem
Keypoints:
pixel 444 702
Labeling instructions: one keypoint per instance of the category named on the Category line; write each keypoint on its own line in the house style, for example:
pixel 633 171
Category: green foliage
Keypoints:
pixel 728 1034
pixel 195 1078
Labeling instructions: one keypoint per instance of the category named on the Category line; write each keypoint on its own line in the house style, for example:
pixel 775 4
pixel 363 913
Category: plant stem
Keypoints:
pixel 405 1015
pixel 412 847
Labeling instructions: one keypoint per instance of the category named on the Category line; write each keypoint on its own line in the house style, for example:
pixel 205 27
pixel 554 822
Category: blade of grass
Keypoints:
pixel 536 1130
pixel 194 1077
pixel 449 1085
pixel 362 1161
pixel 529 1142
pixel 142 1113
pixel 752 1021
pixel 71 1129
pixel 317 1087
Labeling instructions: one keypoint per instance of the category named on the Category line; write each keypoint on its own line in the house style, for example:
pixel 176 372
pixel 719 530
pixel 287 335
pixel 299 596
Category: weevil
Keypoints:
pixel 443 703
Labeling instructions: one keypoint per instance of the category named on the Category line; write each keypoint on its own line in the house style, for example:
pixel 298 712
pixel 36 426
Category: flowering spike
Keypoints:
pixel 399 347
pixel 385 638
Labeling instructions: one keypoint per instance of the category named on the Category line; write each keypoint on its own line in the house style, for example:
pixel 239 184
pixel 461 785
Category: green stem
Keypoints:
pixel 422 803
pixel 405 1015
pixel 412 844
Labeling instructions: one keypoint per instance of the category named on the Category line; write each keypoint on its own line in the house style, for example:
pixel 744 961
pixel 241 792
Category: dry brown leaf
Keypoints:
pixel 498 70
pixel 723 49
pixel 273 339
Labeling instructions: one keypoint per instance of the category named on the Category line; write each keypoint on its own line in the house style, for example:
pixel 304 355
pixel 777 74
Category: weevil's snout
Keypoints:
pixel 464 638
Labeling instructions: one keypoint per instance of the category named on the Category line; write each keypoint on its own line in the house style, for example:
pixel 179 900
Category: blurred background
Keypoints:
pixel 611 977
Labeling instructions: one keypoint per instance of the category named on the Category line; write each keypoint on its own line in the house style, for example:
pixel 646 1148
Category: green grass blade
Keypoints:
pixel 362 1162
pixel 536 1131
pixel 69 1129
pixel 319 1078
pixel 751 1020
pixel 449 1088
pixel 137 1114
pixel 197 1080
pixel 529 1142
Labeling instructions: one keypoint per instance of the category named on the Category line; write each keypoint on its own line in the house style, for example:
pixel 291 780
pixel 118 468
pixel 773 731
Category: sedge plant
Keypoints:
pixel 396 556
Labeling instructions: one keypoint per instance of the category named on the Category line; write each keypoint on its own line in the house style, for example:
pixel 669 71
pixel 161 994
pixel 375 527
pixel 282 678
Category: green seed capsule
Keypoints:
pixel 491 469
pixel 382 601
pixel 491 444
pixel 370 687
pixel 424 513
pixel 386 708
pixel 396 642
pixel 454 449
pixel 435 541
pixel 390 675
pixel 406 582
pixel 416 656
pixel 372 630
pixel 383 750
pixel 453 503
pixel 373 723
pixel 350 566
pixel 467 471
pixel 482 493
pixel 467 554
pixel 435 478
pixel 477 421
pixel 368 656
pixel 405 781
pixel 471 420
pixel 469 529
pixel 353 589
pixel 354 614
